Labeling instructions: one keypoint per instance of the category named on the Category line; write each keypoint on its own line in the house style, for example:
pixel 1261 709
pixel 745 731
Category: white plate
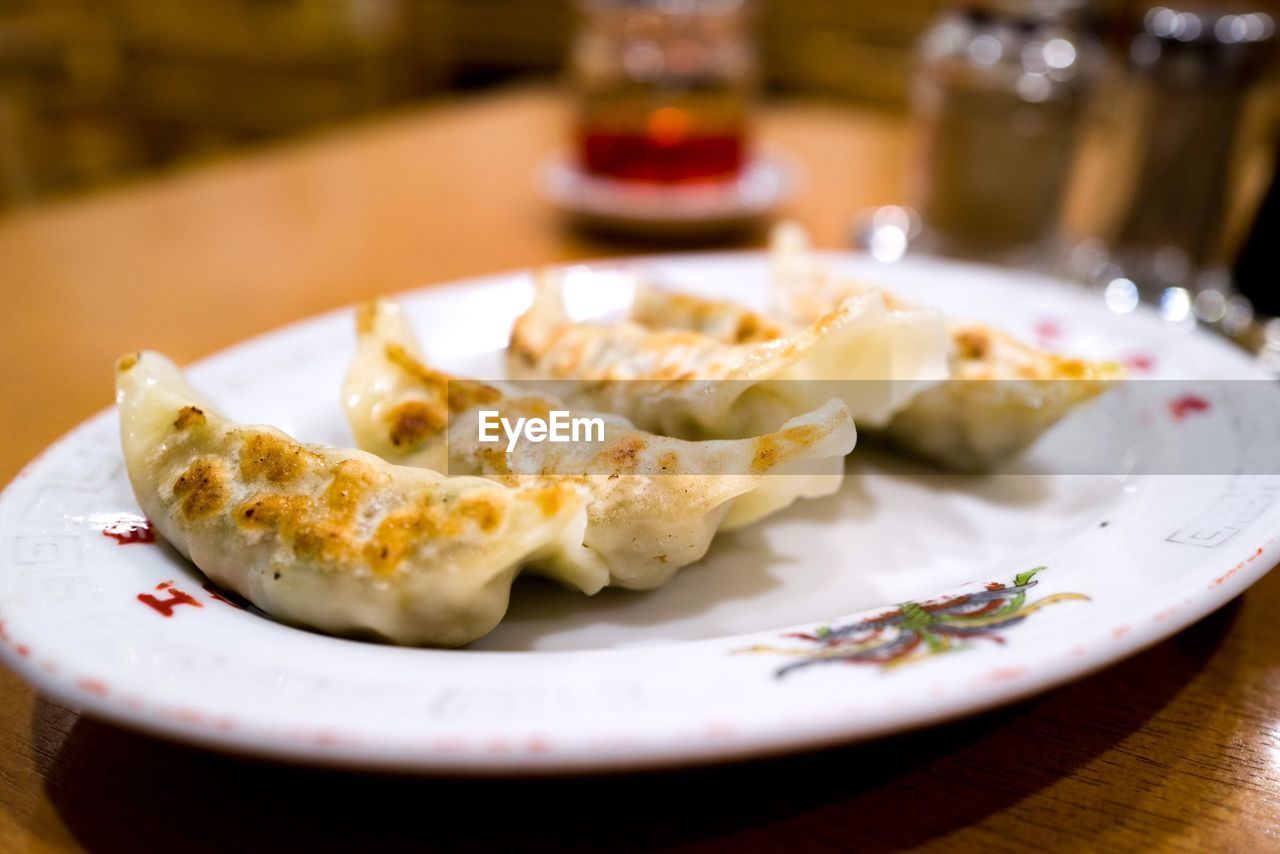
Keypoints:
pixel 687 673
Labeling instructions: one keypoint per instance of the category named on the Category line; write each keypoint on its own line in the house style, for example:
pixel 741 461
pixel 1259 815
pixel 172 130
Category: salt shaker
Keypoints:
pixel 999 94
pixel 1172 179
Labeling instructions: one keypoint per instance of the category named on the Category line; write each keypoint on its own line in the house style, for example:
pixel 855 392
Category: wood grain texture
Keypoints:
pixel 1175 749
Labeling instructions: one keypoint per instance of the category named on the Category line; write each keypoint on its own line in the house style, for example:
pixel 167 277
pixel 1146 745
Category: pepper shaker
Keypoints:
pixel 999 94
pixel 1172 175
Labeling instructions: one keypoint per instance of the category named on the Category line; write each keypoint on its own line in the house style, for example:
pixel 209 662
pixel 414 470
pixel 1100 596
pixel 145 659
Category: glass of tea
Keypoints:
pixel 664 89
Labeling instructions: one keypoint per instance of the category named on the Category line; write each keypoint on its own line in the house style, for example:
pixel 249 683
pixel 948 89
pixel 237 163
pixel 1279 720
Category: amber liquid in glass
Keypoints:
pixel 688 139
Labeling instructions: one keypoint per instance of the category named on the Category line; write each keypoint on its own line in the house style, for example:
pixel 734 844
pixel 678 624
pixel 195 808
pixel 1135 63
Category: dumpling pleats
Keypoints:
pixel 338 540
pixel 692 383
pixel 1003 394
pixel 653 503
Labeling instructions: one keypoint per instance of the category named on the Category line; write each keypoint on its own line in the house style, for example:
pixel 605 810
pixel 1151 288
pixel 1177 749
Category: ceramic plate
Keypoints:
pixel 906 599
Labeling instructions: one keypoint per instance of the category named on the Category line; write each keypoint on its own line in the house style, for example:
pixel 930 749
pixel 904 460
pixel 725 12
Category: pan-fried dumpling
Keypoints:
pixel 338 539
pixel 689 384
pixel 726 321
pixel 967 423
pixel 1003 394
pixel 653 503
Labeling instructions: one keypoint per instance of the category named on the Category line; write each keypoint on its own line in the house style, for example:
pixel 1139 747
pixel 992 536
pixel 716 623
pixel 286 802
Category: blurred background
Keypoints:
pixel 95 90
pixel 1006 100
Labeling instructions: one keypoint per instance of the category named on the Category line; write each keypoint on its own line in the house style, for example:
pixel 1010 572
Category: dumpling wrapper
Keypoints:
pixel 653 503
pixel 1003 395
pixel 686 383
pixel 338 540
pixel 968 423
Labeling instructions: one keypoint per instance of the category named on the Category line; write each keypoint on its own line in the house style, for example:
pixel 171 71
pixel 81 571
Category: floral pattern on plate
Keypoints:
pixel 914 631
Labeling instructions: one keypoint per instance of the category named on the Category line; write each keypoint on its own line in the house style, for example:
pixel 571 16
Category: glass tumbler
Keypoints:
pixel 664 89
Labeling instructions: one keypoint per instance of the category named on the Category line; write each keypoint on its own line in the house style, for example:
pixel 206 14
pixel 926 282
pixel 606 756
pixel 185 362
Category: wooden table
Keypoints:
pixel 1178 748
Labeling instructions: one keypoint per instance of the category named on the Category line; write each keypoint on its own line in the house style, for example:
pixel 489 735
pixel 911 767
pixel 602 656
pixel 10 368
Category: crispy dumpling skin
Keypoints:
pixel 1003 394
pixel 334 539
pixel 729 379
pixel 653 503
pixel 722 320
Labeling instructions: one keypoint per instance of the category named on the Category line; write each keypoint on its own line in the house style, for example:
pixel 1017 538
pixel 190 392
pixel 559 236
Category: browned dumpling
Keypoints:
pixel 335 539
pixel 716 375
pixel 1002 394
pixel 654 504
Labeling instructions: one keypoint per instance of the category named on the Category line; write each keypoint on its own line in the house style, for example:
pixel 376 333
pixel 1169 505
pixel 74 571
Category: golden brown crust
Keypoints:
pixel 752 329
pixel 766 456
pixel 271 511
pixel 447 396
pixel 334 538
pixel 326 529
pixel 623 456
pixel 483 509
pixel 1073 369
pixel 404 360
pixel 460 393
pixel 552 498
pixel 402 530
pixel 983 353
pixel 971 343
pixel 353 483
pixel 771 450
pixel 397 535
pixel 493 461
pixel 270 457
pixel 189 416
pixel 415 420
pixel 202 489
pixel 677 310
pixel 803 435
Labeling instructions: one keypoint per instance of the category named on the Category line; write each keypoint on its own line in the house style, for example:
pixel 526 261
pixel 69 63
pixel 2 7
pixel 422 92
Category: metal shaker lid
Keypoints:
pixel 1202 43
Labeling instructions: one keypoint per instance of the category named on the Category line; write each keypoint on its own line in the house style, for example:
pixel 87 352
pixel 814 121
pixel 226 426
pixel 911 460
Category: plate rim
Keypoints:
pixel 310 749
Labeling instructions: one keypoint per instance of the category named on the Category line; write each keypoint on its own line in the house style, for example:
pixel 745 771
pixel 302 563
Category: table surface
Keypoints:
pixel 1177 748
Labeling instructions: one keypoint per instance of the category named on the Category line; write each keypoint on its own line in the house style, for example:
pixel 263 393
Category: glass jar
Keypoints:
pixel 664 89
pixel 999 95
pixel 1179 147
